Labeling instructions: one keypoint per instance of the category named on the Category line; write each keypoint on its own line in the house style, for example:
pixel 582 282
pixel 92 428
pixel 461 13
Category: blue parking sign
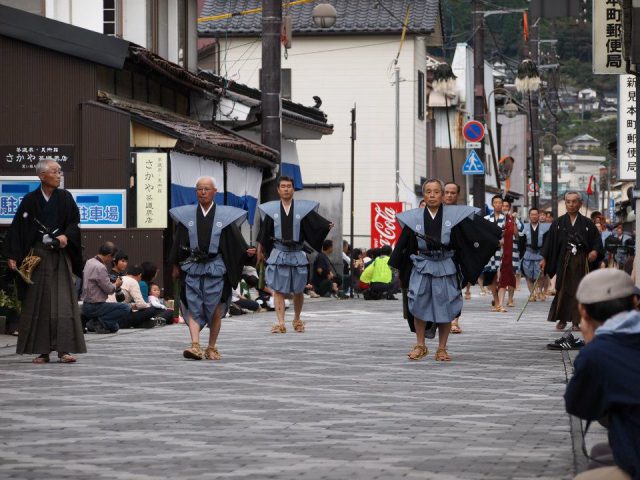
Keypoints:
pixel 12 191
pixel 101 208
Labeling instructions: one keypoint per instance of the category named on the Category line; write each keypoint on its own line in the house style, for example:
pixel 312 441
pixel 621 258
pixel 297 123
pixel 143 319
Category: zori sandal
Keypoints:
pixel 418 352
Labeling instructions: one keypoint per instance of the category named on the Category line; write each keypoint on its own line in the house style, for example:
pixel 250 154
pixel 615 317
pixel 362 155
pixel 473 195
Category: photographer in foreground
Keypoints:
pixel 606 381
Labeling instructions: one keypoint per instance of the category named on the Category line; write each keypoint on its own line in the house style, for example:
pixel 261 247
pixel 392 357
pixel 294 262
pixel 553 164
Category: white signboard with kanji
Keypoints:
pixel 608 38
pixel 627 127
pixel 151 189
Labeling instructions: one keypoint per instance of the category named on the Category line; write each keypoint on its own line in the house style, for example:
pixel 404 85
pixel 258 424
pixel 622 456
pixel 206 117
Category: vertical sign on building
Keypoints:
pixel 385 229
pixel 608 38
pixel 151 192
pixel 627 127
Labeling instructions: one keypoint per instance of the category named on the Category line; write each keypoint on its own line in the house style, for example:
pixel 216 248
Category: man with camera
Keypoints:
pixel 606 382
pixel 104 317
pixel 141 313
pixel 43 245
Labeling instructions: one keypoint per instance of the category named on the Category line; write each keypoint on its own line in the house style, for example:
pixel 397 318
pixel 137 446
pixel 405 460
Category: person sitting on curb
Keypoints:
pixel 379 277
pixel 606 381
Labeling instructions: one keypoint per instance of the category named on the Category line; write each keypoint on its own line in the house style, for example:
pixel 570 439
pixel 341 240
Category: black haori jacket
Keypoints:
pixel 24 232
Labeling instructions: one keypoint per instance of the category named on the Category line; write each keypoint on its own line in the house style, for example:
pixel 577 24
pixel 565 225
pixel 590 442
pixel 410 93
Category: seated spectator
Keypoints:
pixel 103 316
pixel 241 302
pixel 149 273
pixel 606 381
pixel 157 302
pixel 324 280
pixel 379 276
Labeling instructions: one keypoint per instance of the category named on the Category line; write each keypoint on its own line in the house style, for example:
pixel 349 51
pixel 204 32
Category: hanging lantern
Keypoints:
pixel 528 79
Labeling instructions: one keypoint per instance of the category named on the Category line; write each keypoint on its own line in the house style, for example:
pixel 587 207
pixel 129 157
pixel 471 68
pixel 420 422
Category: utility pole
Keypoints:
pixel 397 77
pixel 478 96
pixel 270 85
pixel 353 176
pixel 554 85
pixel 534 45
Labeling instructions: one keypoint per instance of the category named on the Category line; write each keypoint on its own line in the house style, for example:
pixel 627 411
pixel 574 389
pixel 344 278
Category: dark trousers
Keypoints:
pixel 108 314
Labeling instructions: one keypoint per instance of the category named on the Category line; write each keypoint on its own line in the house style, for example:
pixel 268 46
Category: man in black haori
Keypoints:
pixel 46 226
pixel 571 249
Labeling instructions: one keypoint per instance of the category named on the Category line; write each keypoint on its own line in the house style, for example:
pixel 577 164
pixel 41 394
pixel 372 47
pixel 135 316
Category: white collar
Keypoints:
pixel 433 215
pixel 285 208
pixel 535 227
pixel 205 212
pixel 46 197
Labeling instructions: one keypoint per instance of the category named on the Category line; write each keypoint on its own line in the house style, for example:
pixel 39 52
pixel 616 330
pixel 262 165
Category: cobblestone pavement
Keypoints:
pixel 338 402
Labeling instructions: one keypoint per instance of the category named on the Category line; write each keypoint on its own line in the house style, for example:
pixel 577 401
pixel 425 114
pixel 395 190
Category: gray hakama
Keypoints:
pixel 287 268
pixel 50 317
pixel 204 281
pixel 532 256
pixel 434 292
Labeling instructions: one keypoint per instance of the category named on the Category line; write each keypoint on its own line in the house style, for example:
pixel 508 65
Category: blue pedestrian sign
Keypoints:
pixel 473 165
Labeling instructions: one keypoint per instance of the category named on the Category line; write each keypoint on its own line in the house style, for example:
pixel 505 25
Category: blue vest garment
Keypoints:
pixel 224 216
pixel 542 229
pixel 301 208
pixel 451 216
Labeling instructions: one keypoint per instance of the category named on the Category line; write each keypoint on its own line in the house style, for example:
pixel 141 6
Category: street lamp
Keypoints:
pixel 444 82
pixel 324 15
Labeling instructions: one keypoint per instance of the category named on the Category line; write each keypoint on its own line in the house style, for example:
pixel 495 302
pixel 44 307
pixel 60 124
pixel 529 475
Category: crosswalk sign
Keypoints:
pixel 473 165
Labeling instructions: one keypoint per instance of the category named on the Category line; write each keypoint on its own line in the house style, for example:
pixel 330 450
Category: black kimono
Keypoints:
pixel 50 317
pixel 565 251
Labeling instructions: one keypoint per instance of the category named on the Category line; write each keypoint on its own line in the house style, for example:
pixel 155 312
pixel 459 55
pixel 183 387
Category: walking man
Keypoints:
pixel 451 193
pixel 208 253
pixel 47 226
pixel 535 233
pixel 285 226
pixel 572 246
pixel 493 267
pixel 436 243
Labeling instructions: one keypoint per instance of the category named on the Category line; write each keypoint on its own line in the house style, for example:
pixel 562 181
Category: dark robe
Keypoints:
pixel 232 247
pixel 24 233
pixel 569 269
pixel 469 260
pixel 50 317
pixel 313 230
pixel 286 222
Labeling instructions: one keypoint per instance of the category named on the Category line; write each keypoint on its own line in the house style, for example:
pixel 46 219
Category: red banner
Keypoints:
pixel 385 230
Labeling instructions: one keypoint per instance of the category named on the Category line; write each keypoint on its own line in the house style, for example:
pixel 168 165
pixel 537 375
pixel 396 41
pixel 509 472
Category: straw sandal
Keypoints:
pixel 44 358
pixel 455 328
pixel 418 352
pixel 277 328
pixel 66 358
pixel 298 326
pixel 510 304
pixel 442 355
pixel 194 353
pixel 212 353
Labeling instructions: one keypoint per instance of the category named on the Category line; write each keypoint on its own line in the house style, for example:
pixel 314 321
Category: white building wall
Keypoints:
pixel 81 13
pixel 419 126
pixel 344 71
pixel 134 21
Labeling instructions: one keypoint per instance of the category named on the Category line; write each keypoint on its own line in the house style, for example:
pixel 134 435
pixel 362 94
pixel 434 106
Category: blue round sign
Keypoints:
pixel 473 131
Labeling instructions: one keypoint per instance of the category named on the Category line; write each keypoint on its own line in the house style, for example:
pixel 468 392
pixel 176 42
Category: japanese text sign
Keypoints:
pixel 627 127
pixel 101 208
pixel 25 157
pixel 608 37
pixel 12 191
pixel 152 189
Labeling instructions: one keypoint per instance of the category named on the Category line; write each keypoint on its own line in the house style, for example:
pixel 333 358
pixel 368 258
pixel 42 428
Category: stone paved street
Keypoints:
pixel 338 402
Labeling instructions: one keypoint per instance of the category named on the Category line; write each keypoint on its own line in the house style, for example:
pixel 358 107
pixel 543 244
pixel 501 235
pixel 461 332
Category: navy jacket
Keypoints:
pixel 606 383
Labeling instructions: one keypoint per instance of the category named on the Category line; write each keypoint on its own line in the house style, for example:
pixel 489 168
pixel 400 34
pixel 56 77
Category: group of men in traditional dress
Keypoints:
pixel 442 248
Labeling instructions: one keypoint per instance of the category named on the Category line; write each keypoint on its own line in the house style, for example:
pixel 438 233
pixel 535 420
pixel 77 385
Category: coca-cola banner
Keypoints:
pixel 385 229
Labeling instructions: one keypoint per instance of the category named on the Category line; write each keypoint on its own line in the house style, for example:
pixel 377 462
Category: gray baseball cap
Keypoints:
pixel 605 284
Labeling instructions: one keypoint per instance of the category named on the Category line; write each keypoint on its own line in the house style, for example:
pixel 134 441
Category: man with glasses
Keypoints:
pixel 47 227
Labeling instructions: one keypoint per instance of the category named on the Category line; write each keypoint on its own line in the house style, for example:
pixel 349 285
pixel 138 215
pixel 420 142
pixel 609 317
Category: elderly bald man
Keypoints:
pixel 208 252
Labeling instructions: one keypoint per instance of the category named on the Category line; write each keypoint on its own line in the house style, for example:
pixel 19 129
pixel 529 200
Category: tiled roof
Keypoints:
pixel 354 17
pixel 207 136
